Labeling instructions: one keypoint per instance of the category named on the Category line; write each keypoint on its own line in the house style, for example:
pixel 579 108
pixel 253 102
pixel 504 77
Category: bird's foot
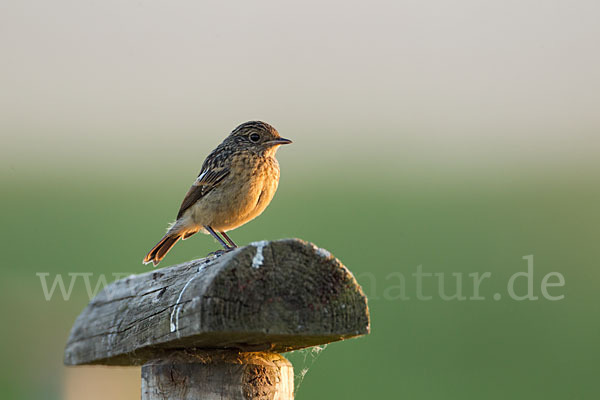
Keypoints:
pixel 219 253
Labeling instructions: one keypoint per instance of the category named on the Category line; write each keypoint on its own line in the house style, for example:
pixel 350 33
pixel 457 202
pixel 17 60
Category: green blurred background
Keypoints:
pixel 459 137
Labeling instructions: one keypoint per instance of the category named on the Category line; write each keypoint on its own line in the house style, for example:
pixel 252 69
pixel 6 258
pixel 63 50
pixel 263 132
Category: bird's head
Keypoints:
pixel 258 136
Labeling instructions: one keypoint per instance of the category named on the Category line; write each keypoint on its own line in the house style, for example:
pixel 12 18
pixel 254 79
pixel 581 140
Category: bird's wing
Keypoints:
pixel 208 179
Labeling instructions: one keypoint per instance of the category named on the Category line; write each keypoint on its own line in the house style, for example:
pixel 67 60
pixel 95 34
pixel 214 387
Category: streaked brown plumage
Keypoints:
pixel 236 183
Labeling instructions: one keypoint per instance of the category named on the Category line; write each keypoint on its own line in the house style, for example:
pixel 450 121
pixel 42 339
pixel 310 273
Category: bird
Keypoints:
pixel 236 183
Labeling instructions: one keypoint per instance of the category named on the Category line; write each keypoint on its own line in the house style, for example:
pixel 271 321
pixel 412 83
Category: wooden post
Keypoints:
pixel 213 375
pixel 212 328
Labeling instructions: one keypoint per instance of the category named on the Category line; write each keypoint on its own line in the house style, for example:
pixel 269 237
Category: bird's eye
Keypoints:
pixel 254 137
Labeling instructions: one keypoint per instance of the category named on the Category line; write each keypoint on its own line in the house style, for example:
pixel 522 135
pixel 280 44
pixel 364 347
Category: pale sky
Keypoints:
pixel 436 81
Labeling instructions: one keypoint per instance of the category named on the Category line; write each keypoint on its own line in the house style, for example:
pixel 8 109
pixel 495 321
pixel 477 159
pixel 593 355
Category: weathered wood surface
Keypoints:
pixel 218 375
pixel 268 296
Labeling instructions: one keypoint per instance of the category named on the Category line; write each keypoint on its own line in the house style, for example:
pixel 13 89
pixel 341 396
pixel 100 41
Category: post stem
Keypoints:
pixel 218 375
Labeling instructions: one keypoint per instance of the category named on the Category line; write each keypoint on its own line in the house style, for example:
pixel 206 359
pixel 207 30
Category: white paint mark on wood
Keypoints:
pixel 323 253
pixel 258 259
pixel 177 308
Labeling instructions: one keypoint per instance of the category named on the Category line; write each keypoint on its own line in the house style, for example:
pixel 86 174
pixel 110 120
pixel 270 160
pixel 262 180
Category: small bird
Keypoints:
pixel 237 182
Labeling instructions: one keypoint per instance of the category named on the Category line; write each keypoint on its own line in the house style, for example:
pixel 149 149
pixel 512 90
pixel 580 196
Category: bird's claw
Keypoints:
pixel 219 253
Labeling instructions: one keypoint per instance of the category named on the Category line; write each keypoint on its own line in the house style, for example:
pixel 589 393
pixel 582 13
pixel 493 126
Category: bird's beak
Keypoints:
pixel 277 142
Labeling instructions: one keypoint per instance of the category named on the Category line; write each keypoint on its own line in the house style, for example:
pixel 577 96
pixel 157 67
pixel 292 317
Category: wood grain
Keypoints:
pixel 269 296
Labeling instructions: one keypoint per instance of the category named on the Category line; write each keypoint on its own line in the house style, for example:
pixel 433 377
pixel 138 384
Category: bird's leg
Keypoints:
pixel 212 232
pixel 231 243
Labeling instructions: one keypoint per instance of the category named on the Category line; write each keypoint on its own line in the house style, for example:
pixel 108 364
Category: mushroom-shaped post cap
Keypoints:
pixel 273 296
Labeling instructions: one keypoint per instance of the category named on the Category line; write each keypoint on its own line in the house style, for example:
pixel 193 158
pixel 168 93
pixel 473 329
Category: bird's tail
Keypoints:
pixel 161 249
